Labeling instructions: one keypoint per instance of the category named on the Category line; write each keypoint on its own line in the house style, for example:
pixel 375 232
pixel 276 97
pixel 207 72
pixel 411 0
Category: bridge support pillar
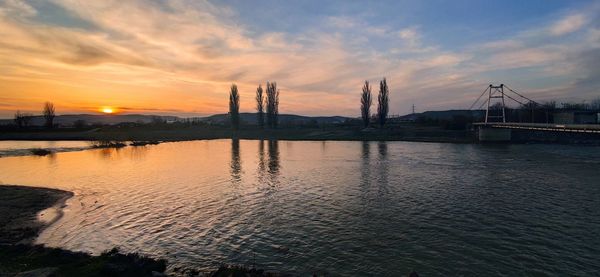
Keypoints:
pixel 494 134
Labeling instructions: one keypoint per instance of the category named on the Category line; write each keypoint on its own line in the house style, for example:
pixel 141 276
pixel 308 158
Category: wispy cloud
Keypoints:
pixel 568 24
pixel 183 55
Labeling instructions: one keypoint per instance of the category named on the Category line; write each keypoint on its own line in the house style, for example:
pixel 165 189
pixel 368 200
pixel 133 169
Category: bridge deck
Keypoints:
pixel 572 128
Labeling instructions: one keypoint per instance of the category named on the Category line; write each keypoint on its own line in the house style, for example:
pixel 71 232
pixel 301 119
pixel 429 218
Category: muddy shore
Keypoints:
pixel 25 211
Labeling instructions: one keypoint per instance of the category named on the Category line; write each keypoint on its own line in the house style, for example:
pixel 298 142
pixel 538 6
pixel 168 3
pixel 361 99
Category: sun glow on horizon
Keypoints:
pixel 180 57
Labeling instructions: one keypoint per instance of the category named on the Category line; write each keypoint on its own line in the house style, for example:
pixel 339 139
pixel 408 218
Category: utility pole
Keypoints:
pixel 413 109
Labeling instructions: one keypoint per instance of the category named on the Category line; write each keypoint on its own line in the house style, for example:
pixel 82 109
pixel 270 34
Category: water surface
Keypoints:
pixel 24 148
pixel 345 208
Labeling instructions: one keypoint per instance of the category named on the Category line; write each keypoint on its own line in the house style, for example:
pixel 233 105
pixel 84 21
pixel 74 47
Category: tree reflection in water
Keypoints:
pixel 235 165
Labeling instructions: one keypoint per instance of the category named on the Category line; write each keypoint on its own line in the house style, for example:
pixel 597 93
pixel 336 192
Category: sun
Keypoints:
pixel 107 110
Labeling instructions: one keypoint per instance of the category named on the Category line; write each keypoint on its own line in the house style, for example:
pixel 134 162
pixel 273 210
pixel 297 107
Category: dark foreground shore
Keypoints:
pixel 19 208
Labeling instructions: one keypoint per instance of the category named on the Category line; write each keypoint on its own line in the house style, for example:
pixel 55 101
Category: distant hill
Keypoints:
pixel 247 118
pixel 444 115
pixel 251 118
pixel 69 119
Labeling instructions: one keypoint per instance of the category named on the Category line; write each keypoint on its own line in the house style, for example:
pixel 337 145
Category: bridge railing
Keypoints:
pixel 575 128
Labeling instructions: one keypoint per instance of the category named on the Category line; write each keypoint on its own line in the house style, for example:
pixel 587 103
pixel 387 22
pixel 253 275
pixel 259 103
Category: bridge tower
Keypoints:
pixel 495 93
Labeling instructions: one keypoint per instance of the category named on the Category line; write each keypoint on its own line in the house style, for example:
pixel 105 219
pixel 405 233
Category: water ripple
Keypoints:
pixel 341 208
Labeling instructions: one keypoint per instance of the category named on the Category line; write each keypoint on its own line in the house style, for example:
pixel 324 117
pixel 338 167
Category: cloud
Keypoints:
pixel 410 35
pixel 17 7
pixel 502 44
pixel 344 22
pixel 186 54
pixel 568 24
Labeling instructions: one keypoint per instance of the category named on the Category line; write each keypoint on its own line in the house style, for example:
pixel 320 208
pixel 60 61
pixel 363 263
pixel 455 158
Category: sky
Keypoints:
pixel 180 57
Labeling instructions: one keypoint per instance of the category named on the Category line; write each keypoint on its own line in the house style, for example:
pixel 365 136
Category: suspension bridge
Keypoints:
pixel 496 127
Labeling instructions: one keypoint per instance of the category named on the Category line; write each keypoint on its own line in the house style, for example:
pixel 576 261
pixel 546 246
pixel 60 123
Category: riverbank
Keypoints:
pixel 143 133
pixel 19 207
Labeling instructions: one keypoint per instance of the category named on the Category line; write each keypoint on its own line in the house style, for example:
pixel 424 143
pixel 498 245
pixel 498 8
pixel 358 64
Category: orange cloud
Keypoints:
pixel 181 57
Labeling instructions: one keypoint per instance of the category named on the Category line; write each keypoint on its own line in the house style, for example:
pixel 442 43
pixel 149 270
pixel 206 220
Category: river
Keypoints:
pixel 341 208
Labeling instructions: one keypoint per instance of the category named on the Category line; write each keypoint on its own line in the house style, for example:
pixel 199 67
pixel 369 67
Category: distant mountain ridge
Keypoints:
pixel 444 115
pixel 251 118
pixel 248 118
pixel 110 119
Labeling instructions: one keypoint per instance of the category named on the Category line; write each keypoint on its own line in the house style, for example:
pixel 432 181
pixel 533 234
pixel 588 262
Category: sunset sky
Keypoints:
pixel 180 57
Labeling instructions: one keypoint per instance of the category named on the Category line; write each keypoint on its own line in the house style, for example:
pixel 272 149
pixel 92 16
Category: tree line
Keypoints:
pixel 23 120
pixel 267 103
pixel 383 103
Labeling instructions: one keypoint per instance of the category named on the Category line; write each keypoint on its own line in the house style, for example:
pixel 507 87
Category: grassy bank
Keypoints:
pixel 178 133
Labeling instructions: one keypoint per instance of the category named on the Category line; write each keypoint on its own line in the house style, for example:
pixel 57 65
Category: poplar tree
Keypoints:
pixel 272 105
pixel 365 104
pixel 234 107
pixel 383 100
pixel 260 107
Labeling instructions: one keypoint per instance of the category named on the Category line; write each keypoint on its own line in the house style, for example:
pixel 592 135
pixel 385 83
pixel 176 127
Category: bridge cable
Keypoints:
pixel 486 89
pixel 515 99
pixel 521 95
pixel 482 104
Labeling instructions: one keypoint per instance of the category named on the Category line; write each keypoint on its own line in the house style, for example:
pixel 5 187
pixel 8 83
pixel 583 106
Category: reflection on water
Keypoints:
pixel 366 163
pixel 261 170
pixel 383 149
pixel 236 166
pixel 23 148
pixel 138 153
pixel 344 208
pixel 383 168
pixel 273 149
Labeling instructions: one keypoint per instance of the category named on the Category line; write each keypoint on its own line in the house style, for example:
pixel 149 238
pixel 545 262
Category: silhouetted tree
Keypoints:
pixel 574 106
pixel 529 108
pixel 260 107
pixel 365 104
pixel 22 120
pixel 18 119
pixel 272 104
pixel 496 106
pixel 157 120
pixel 383 100
pixel 549 109
pixel 234 107
pixel 595 104
pixel 49 114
